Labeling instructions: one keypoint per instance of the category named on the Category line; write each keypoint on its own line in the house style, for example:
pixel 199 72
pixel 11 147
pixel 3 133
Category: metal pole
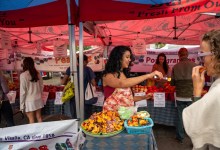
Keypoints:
pixel 73 66
pixel 81 70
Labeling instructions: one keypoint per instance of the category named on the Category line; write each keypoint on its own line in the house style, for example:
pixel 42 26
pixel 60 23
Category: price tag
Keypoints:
pixel 159 99
pixel 141 103
pixel 100 101
pixel 45 97
pixel 58 100
pixel 140 94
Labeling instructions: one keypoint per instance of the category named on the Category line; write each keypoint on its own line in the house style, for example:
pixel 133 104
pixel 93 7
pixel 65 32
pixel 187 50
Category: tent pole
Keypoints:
pixel 81 71
pixel 73 66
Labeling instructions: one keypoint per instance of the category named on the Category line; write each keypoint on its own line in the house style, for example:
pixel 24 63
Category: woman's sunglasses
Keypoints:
pixel 201 56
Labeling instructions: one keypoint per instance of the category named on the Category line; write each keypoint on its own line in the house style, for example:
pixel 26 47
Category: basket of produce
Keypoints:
pixel 103 124
pixel 138 125
pixel 143 114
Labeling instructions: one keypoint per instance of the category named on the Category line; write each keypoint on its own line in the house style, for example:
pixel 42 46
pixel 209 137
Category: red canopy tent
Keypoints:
pixel 182 30
pixel 53 13
pixel 177 22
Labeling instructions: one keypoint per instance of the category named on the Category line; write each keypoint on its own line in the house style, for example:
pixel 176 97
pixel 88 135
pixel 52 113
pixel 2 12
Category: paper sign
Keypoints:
pixel 5 41
pixel 159 99
pixel 139 47
pixel 60 48
pixel 100 101
pixel 141 103
pixel 44 97
pixel 58 100
pixel 3 53
pixel 11 96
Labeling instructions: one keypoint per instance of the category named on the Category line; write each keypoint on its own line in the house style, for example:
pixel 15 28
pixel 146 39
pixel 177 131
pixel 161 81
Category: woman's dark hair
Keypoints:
pixel 213 39
pixel 165 65
pixel 28 64
pixel 114 64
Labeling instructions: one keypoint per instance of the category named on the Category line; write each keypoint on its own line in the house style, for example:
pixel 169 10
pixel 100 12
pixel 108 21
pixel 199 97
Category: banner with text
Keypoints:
pixel 47 135
pixel 56 64
pixel 140 9
pixel 144 63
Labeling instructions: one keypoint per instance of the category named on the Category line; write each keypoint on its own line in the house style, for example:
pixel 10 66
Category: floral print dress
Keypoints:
pixel 120 97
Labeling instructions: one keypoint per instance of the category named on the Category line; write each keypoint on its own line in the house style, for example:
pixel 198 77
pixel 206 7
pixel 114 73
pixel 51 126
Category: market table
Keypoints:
pixel 121 141
pixel 162 115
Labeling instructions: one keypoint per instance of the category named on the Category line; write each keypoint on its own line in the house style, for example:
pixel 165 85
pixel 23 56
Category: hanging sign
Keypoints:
pixel 6 65
pixel 3 53
pixel 60 48
pixel 139 47
pixel 5 41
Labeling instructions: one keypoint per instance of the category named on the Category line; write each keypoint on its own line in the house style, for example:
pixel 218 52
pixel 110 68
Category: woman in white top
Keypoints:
pixel 202 118
pixel 31 88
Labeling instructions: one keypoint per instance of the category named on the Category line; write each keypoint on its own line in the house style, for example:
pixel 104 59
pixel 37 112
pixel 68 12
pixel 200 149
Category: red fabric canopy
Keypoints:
pixel 46 35
pixel 109 10
pixel 186 30
pixel 189 24
pixel 54 13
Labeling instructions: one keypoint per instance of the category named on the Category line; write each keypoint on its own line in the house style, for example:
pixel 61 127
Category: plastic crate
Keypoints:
pixel 140 130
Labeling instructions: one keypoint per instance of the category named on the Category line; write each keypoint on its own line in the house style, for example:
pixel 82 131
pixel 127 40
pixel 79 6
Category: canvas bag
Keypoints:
pixel 90 94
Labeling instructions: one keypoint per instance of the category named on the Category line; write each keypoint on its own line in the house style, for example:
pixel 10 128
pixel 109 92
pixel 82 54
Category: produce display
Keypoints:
pixel 139 125
pixel 137 121
pixel 13 86
pixel 126 112
pixel 168 88
pixel 52 89
pixel 152 89
pixel 104 122
pixel 143 114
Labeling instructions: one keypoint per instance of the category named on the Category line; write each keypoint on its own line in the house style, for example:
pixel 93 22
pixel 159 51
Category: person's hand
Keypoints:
pixel 149 95
pixel 198 81
pixel 156 73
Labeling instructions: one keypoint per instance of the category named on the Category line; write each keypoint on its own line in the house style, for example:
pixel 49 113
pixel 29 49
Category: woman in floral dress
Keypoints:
pixel 116 81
